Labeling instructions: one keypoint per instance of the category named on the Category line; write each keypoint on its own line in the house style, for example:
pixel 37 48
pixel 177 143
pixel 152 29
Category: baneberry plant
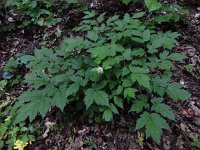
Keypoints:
pixel 117 62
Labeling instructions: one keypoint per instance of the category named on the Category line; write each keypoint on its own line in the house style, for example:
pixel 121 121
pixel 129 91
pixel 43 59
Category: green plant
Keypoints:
pixel 1 9
pixel 196 143
pixel 168 13
pixel 119 62
pixel 152 5
pixel 11 135
pixel 40 12
pixel 3 84
pixel 190 68
pixel 32 11
pixel 90 143
pixel 126 2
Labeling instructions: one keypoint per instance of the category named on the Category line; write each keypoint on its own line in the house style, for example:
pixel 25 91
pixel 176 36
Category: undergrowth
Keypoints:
pixel 121 61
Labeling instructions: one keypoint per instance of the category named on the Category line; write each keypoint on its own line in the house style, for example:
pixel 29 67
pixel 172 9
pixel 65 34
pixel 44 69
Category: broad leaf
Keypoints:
pixel 99 97
pixel 60 101
pixel 92 35
pixel 142 79
pixel 118 102
pixel 108 115
pixel 176 57
pixel 130 92
pixel 72 89
pixel 113 108
pixel 119 90
pixel 126 2
pixel 176 92
pixel 162 108
pixel 139 104
pixel 146 35
pixel 153 124
pixel 152 5
pixel 138 15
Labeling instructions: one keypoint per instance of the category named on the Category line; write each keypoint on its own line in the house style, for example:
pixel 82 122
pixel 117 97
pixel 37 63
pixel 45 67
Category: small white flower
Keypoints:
pixel 100 70
pixel 10 19
pixel 91 5
pixel 182 82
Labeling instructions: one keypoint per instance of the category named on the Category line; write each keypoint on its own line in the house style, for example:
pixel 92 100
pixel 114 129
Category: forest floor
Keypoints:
pixel 118 134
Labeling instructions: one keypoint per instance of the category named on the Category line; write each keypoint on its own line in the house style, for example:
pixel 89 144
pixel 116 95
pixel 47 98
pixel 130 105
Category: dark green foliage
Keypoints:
pixel 9 133
pixel 40 12
pixel 119 61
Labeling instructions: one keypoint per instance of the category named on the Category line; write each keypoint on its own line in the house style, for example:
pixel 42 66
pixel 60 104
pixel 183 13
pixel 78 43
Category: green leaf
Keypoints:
pixel 36 102
pixel 138 52
pixel 126 17
pixel 89 14
pixel 25 111
pixel 108 115
pixel 176 92
pixel 33 4
pixel 153 124
pixel 108 63
pixel 127 82
pixel 159 90
pixel 101 52
pixel 113 108
pixel 72 89
pixel 3 83
pixel 176 57
pixel 112 19
pixel 152 5
pixel 146 35
pixel 119 90
pixel 101 18
pixel 139 104
pixel 73 1
pixel 164 18
pixel 164 55
pixel 44 106
pixel 142 79
pixel 138 15
pixel 37 79
pixel 126 2
pixel 138 70
pixel 100 85
pixel 59 101
pixel 125 71
pixel 99 97
pixel 127 54
pixel 92 35
pixel 130 92
pixel 165 64
pixel 69 44
pixel 162 108
pixel 118 102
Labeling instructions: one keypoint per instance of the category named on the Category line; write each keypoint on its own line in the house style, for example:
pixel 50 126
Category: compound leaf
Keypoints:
pixel 153 124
